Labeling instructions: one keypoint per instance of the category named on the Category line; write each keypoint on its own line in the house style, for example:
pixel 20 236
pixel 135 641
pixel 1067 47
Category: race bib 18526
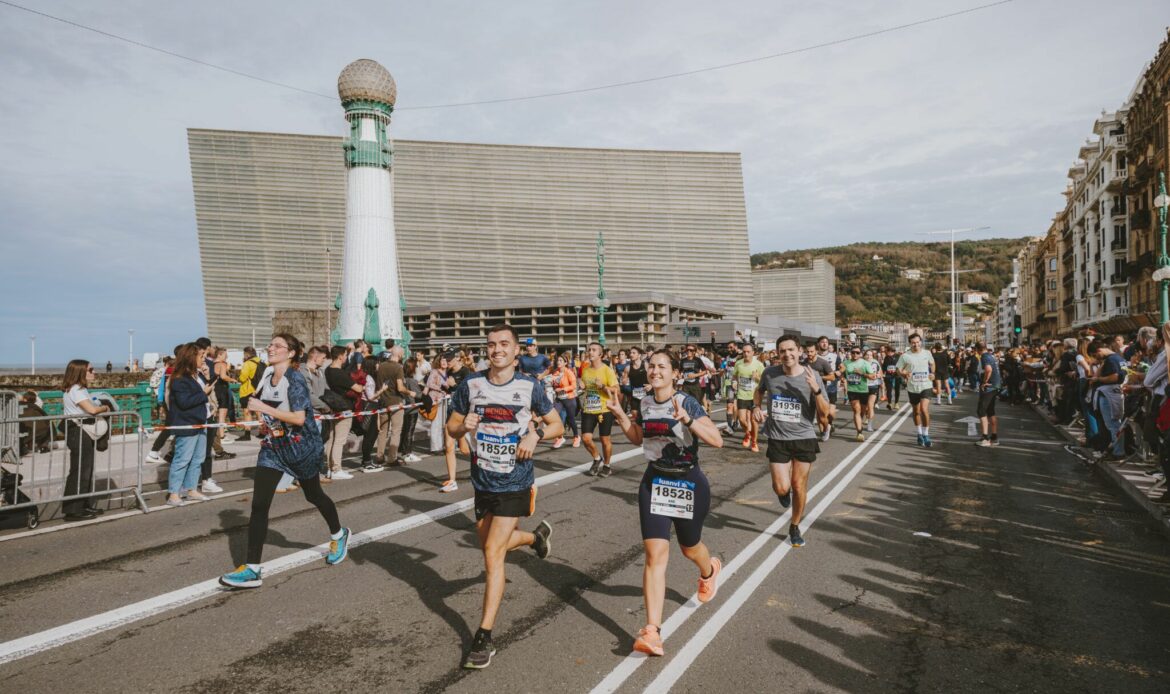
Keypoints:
pixel 674 498
pixel 496 453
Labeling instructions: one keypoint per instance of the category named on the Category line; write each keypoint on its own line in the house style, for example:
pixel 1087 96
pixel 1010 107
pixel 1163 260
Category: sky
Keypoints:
pixel 967 121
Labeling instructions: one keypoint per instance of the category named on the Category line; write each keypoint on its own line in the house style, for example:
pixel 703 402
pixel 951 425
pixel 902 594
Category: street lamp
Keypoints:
pixel 131 361
pixel 952 232
pixel 254 336
pixel 32 343
pixel 642 335
pixel 1162 275
pixel 602 303
pixel 577 310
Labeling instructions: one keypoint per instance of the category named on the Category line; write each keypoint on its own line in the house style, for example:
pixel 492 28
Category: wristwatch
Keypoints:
pixel 816 393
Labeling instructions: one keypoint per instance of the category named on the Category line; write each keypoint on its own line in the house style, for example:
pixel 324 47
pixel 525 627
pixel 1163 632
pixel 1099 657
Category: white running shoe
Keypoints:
pixel 340 475
pixel 412 458
pixel 210 487
pixel 450 486
pixel 827 432
pixel 154 457
pixel 869 426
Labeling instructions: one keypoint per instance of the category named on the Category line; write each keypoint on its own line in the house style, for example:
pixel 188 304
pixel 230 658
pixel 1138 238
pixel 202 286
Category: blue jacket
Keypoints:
pixel 188 405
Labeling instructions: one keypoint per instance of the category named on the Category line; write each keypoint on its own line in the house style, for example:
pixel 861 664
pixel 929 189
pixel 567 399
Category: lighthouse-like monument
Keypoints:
pixel 369 306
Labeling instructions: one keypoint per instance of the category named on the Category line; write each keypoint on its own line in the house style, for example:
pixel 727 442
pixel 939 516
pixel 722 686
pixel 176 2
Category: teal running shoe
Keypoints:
pixel 242 577
pixel 338 549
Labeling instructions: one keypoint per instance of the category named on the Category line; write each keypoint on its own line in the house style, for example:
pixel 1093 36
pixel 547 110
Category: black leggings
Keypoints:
pixel 893 389
pixel 262 493
pixel 569 413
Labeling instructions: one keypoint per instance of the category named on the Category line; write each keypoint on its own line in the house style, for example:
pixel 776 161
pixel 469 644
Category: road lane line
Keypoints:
pixel 687 655
pixel 633 661
pixel 82 628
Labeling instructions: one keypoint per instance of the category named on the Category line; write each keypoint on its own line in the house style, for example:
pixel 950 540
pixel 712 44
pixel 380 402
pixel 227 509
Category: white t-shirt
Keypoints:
pixel 71 399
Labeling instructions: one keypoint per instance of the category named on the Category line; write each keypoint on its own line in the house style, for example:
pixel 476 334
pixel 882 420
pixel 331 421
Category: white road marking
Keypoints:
pixel 694 647
pixel 82 628
pixel 633 661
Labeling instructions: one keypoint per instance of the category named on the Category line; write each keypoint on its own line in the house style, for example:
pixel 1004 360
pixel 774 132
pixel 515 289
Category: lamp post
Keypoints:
pixel 642 335
pixel 254 336
pixel 1163 272
pixel 687 332
pixel 577 310
pixel 954 309
pixel 602 303
pixel 32 343
pixel 130 363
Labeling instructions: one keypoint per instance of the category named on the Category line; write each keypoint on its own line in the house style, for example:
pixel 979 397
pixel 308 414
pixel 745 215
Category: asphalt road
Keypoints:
pixel 946 569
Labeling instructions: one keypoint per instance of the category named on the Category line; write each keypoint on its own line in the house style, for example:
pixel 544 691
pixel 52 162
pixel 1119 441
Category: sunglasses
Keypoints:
pixel 90 370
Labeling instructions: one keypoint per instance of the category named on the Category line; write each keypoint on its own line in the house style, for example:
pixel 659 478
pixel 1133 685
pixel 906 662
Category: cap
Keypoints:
pixel 530 341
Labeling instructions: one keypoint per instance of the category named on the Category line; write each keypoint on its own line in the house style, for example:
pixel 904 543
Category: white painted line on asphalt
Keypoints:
pixel 634 660
pixel 82 628
pixel 694 647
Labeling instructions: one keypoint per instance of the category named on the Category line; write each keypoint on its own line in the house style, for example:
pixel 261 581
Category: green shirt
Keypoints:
pixel 856 373
pixel 747 378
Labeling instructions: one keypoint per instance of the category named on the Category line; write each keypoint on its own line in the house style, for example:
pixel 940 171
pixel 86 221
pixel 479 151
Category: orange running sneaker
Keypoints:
pixel 709 586
pixel 649 641
pixel 747 441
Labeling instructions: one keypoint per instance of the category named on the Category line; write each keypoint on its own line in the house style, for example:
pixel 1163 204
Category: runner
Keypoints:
pixel 874 381
pixel 532 362
pixel 916 367
pixel 292 445
pixel 747 372
pixel 989 383
pixel 692 370
pixel 729 388
pixel 942 374
pixel 856 372
pixel 674 491
pixel 637 379
pixel 833 359
pixel 828 375
pixel 893 383
pixel 498 409
pixel 601 384
pixel 796 397
pixel 564 381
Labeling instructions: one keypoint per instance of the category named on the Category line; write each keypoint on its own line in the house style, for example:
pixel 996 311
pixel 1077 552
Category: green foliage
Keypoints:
pixel 874 290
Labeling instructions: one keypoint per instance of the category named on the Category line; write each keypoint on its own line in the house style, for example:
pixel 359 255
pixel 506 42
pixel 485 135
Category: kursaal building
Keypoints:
pixel 364 229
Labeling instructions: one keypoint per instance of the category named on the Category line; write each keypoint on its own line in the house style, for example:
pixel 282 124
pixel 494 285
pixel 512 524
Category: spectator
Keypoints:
pixel 313 371
pixel 250 372
pixel 439 384
pixel 33 435
pixel 109 367
pixel 391 381
pixel 341 396
pixel 412 396
pixel 82 444
pixel 189 405
pixel 1107 392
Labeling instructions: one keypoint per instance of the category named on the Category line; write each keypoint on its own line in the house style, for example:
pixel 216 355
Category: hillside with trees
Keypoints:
pixel 871 285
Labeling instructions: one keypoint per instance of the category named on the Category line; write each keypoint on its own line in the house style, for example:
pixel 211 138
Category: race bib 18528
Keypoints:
pixel 674 498
pixel 496 453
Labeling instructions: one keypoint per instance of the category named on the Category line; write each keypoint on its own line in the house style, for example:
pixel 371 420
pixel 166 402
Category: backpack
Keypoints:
pixel 258 375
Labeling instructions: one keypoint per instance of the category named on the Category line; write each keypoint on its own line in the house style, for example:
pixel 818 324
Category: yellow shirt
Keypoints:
pixel 247 371
pixel 595 381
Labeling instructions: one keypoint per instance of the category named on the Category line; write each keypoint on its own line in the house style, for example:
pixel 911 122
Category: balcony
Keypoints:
pixel 1117 210
pixel 1143 262
pixel 1117 280
pixel 1140 219
pixel 1117 182
pixel 1118 244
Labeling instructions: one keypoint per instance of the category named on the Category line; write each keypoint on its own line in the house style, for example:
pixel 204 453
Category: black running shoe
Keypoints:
pixel 596 467
pixel 606 471
pixel 794 536
pixel 542 545
pixel 786 500
pixel 480 655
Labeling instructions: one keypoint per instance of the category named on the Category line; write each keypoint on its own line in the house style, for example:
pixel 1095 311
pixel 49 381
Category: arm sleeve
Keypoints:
pixel 692 407
pixel 461 399
pixel 540 402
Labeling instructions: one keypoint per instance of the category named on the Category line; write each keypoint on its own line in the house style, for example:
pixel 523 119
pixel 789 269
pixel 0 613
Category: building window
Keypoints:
pixel 1052 304
pixel 1052 285
pixel 1052 264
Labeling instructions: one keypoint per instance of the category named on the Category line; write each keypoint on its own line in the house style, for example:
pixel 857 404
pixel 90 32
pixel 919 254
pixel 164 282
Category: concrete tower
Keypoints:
pixel 369 306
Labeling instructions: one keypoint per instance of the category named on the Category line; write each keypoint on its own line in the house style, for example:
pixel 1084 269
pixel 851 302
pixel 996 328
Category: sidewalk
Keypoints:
pixel 1129 476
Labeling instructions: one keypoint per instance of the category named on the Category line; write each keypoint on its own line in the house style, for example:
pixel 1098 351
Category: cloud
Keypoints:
pixel 972 120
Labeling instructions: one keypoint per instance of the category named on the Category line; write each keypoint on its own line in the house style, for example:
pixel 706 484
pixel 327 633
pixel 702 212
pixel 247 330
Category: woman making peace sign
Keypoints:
pixel 674 491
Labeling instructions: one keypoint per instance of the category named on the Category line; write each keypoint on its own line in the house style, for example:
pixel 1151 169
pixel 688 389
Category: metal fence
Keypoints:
pixel 72 460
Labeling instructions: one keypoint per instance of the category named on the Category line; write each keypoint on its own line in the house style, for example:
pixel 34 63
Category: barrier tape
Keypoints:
pixel 346 414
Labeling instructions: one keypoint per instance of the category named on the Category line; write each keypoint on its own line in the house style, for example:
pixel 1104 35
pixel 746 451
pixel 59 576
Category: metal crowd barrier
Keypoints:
pixel 10 431
pixel 61 462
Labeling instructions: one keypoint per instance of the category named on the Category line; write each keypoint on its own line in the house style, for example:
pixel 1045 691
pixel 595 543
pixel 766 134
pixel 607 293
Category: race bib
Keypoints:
pixel 592 402
pixel 853 378
pixel 674 498
pixel 786 409
pixel 747 383
pixel 920 379
pixel 639 393
pixel 891 369
pixel 496 453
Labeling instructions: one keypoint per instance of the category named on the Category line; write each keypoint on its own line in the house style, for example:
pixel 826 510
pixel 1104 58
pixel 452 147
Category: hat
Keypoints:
pixel 530 341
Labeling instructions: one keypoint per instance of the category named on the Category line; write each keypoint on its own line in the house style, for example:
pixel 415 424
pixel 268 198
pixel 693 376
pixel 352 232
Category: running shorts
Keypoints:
pixel 602 421
pixel 694 390
pixel 801 450
pixel 656 526
pixel 986 406
pixel 519 504
pixel 859 397
pixel 244 401
pixel 874 391
pixel 916 397
pixel 744 404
